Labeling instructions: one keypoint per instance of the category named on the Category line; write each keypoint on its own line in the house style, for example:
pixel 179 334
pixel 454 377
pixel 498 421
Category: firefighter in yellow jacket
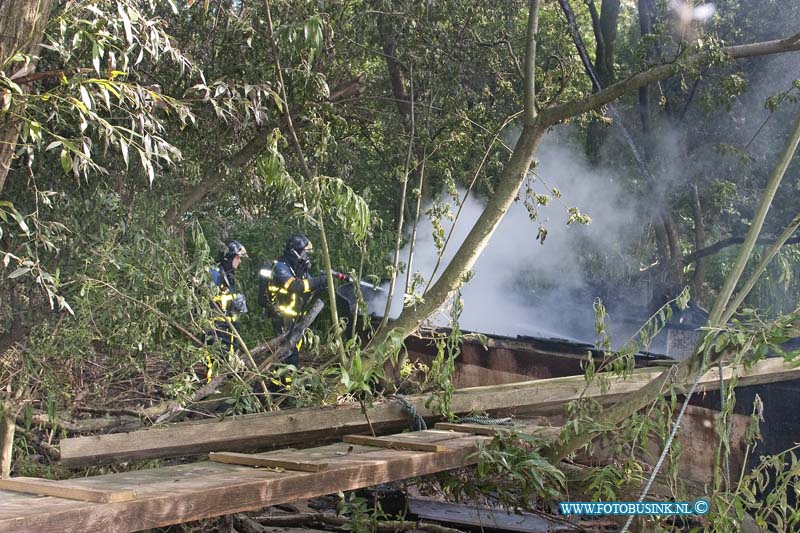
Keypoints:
pixel 227 305
pixel 286 287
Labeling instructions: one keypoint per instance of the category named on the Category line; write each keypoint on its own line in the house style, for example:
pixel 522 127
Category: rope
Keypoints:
pixel 486 421
pixel 667 445
pixel 415 421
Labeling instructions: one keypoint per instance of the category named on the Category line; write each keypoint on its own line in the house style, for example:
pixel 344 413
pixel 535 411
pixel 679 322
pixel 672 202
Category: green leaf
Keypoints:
pixel 66 161
pixel 96 57
pixel 20 221
pixel 85 98
pixel 123 147
pixel 126 22
pixel 21 271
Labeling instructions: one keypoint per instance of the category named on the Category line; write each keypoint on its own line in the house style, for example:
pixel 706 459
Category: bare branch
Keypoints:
pixel 760 267
pixel 238 160
pixel 559 113
pixel 530 63
pixel 47 75
pixel 286 113
pixel 727 243
pixel 578 40
pixel 505 42
pixel 719 313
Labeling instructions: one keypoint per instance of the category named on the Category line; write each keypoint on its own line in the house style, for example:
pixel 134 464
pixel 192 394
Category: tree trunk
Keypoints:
pixel 7 427
pixel 675 256
pixel 647 17
pixel 405 107
pixel 604 62
pixel 22 23
pixel 699 240
pixel 396 76
pixel 604 26
pixel 605 29
pixel 237 161
pixel 666 236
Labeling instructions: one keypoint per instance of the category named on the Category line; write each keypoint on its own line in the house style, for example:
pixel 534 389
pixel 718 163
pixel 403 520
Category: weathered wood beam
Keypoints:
pixel 484 517
pixel 281 428
pixel 65 490
pixel 393 443
pixel 184 493
pixel 7 430
pixel 264 460
pixel 479 429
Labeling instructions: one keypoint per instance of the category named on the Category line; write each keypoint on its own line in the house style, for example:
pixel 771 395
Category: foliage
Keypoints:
pixel 357 509
pixel 620 363
pixel 112 109
pixel 360 379
pixel 313 387
pixel 443 367
pixel 510 471
pixel 131 332
pixel 143 105
pixel 762 492
pixel 748 338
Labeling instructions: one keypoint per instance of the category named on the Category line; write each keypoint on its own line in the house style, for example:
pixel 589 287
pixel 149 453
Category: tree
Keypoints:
pixel 604 26
pixel 535 125
pixel 21 26
pixel 708 352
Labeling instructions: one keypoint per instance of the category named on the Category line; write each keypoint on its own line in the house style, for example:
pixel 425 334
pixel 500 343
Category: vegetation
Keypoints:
pixel 137 136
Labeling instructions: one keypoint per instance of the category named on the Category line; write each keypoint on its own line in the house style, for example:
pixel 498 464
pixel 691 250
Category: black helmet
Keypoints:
pixel 234 249
pixel 299 247
pixel 299 244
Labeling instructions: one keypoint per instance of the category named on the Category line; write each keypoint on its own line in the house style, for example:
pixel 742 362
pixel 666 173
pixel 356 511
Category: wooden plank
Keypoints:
pixel 64 489
pixel 697 435
pixel 393 443
pixel 480 429
pixel 331 451
pixel 234 458
pixel 261 431
pixel 476 429
pixel 184 493
pixel 428 435
pixel 483 517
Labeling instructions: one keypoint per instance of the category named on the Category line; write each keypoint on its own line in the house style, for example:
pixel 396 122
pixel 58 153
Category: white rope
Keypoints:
pixel 667 445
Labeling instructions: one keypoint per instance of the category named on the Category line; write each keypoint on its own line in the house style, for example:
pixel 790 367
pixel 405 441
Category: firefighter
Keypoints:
pixel 227 305
pixel 286 287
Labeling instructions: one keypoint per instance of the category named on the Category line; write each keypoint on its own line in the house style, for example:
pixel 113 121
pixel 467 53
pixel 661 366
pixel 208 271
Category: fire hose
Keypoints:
pixel 341 276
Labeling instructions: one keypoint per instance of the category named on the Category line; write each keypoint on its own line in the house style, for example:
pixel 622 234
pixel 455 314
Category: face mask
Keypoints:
pixel 305 259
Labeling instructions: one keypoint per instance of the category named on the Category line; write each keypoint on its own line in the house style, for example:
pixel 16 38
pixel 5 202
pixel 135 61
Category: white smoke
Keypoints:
pixel 522 287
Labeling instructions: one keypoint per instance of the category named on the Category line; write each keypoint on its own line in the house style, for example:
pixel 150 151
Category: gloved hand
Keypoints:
pixel 239 304
pixel 318 282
